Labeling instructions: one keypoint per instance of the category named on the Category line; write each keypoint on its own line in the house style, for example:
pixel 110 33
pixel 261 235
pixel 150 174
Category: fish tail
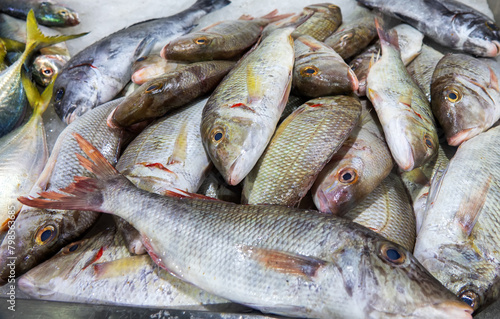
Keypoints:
pixel 386 39
pixel 86 193
pixel 273 16
pixel 35 39
pixel 37 101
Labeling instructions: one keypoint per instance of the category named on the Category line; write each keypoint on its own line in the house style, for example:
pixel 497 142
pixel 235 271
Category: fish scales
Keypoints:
pixel 422 68
pixel 301 146
pixel 458 242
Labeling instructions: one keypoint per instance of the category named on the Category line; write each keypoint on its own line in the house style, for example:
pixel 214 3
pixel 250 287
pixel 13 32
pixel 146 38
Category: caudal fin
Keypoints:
pixel 387 39
pixel 85 193
pixel 38 102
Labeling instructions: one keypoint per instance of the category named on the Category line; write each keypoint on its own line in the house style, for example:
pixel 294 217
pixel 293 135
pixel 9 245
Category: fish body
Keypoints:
pixel 302 145
pixel 410 45
pixel 354 34
pixel 47 13
pixel 465 96
pixel 422 68
pixel 362 163
pixel 319 70
pixel 223 40
pixel 103 266
pixel 41 233
pixel 97 73
pixel 276 259
pixel 240 116
pixel 156 97
pixel 402 108
pixel 448 22
pixel 149 67
pixel 387 211
pixel 458 242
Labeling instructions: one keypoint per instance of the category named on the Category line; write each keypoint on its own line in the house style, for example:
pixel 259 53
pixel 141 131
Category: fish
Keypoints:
pixel 23 154
pixel 308 262
pixel 42 233
pixel 223 40
pixel 152 66
pixel 402 108
pixel 319 70
pixel 353 35
pixel 458 241
pixel 100 71
pixel 12 96
pixel 316 20
pixel 214 186
pixel 465 96
pixel 422 68
pixel 448 22
pixel 240 116
pixel 293 103
pixel 388 212
pixel 418 182
pixel 47 13
pixel 45 67
pixel 301 146
pixel 355 170
pixel 410 45
pixel 102 264
pixel 160 95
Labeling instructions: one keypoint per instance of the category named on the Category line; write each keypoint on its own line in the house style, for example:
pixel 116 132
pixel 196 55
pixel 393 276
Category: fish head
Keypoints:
pixel 52 14
pixel 38 235
pixel 324 77
pixel 464 100
pixel 339 186
pixel 48 279
pixel 46 67
pixel 234 144
pixel 484 39
pixel 193 47
pixel 402 287
pixel 76 91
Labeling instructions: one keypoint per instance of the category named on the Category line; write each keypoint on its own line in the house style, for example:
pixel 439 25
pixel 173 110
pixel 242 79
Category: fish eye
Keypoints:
pixel 470 297
pixel 491 26
pixel 346 37
pixel 428 141
pixel 201 40
pixel 59 94
pixel 218 135
pixel 309 71
pixel 453 95
pixel 63 12
pixel 71 248
pixel 142 58
pixel 45 234
pixel 392 254
pixel 348 176
pixel 47 71
pixel 152 87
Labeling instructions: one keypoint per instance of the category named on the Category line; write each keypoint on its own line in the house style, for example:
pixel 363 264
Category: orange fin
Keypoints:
pixel 211 26
pixel 471 207
pixel 310 42
pixel 287 263
pixel 246 17
pixel 493 80
pixel 273 16
pixel 120 267
pixel 179 193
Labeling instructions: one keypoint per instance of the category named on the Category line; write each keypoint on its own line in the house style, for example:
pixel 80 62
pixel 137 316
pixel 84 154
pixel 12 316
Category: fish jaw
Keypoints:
pixel 448 309
pixel 31 287
pixel 463 135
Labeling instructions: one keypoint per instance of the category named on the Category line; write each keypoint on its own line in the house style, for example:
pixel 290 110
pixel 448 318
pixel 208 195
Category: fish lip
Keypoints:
pixel 462 136
pixel 494 51
pixel 353 79
pixel 27 285
pixel 110 121
pixel 163 52
pixel 409 165
pixel 231 178
pixel 455 308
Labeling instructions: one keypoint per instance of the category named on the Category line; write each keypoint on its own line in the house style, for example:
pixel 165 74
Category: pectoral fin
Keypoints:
pixel 120 267
pixel 471 206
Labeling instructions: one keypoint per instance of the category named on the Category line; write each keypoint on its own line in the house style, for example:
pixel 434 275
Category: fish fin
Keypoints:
pixel 154 256
pixel 471 207
pixel 35 39
pixel 284 262
pixel 179 193
pixel 207 28
pixel 85 193
pixel 386 39
pixel 158 166
pixel 493 80
pixel 144 47
pixel 311 43
pixel 37 101
pixel 13 45
pixel 405 100
pixel 435 185
pixel 273 16
pixel 254 86
pixel 374 96
pixel 179 154
pixel 119 267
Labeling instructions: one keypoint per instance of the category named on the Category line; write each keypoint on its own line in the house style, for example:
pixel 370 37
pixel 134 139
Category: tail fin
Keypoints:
pixel 35 39
pixel 387 39
pixel 37 101
pixel 85 193
pixel 273 16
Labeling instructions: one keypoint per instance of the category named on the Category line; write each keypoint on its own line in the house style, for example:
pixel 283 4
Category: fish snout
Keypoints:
pixel 455 309
pixel 353 79
pixel 163 52
pixel 494 50
pixel 462 136
pixel 72 19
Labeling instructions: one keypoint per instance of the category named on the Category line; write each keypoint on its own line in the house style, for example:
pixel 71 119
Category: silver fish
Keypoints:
pixel 422 68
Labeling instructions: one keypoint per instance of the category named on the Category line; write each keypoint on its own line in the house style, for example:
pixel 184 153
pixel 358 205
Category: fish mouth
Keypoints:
pixel 27 285
pixel 72 19
pixel 455 309
pixel 408 162
pixel 234 174
pixel 321 202
pixel 494 50
pixel 163 52
pixel 462 136
pixel 353 79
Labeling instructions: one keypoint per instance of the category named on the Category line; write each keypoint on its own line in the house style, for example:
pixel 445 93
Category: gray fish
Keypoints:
pixel 97 73
pixel 273 258
pixel 448 22
pixel 41 233
pixel 47 13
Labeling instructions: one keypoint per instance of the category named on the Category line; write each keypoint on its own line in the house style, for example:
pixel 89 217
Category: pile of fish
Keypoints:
pixel 301 164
